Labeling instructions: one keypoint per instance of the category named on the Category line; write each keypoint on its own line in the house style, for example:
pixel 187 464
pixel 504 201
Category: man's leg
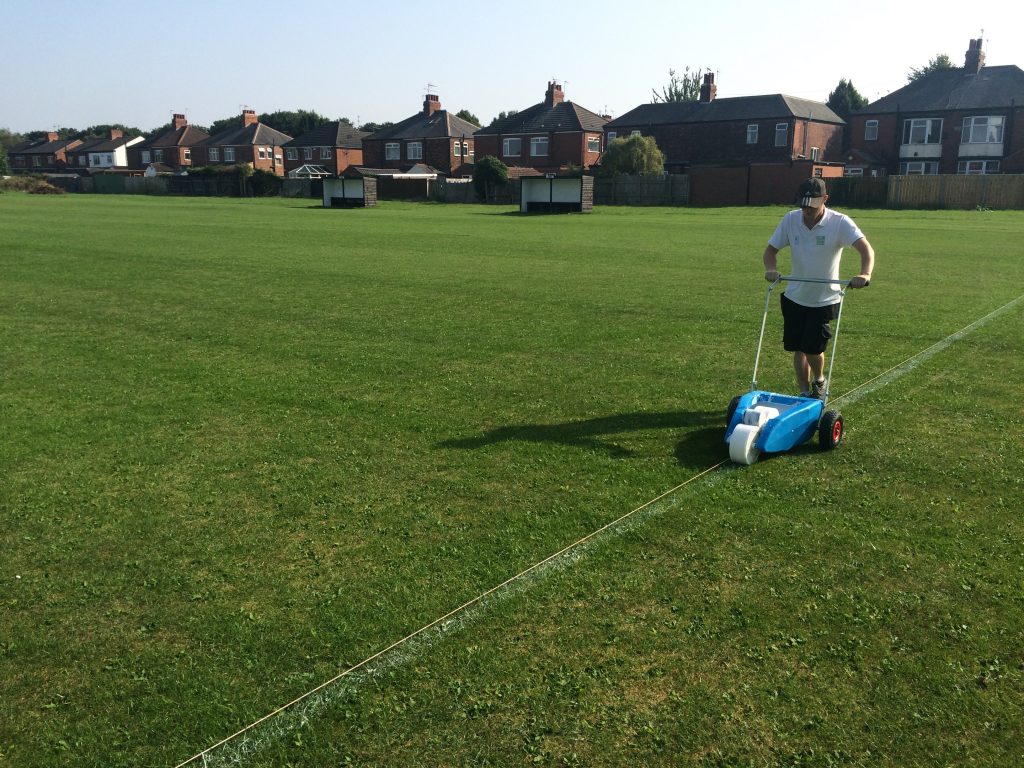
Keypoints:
pixel 802 370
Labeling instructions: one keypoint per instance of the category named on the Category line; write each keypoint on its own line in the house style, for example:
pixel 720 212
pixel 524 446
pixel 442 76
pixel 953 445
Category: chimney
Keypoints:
pixel 179 122
pixel 116 134
pixel 554 95
pixel 975 58
pixel 708 89
pixel 431 104
pixel 249 117
pixel 51 136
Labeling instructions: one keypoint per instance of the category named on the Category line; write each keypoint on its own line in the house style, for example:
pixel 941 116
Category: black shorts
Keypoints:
pixel 806 329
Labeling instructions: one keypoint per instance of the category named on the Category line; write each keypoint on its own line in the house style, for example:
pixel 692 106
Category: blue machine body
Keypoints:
pixel 796 423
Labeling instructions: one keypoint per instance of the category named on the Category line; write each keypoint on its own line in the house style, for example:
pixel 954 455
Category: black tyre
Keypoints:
pixel 830 430
pixel 732 409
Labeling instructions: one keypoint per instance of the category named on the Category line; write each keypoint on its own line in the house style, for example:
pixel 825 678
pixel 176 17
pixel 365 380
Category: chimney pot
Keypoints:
pixel 431 104
pixel 554 94
pixel 249 117
pixel 975 58
pixel 51 136
pixel 116 133
pixel 708 89
pixel 179 121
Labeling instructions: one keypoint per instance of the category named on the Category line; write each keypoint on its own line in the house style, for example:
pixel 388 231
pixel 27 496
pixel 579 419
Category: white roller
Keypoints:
pixel 759 415
pixel 741 444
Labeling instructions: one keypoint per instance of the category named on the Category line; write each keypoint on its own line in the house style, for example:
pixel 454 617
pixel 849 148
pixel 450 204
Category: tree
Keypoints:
pixel 504 116
pixel 685 88
pixel 468 116
pixel 632 156
pixel 845 100
pixel 104 130
pixel 489 173
pixel 293 123
pixel 942 61
pixel 374 127
pixel 4 167
pixel 9 138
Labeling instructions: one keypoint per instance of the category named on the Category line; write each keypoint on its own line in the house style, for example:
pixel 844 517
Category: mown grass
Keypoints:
pixel 250 443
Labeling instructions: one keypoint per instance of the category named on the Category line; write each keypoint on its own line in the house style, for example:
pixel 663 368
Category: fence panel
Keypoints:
pixel 642 190
pixel 957 191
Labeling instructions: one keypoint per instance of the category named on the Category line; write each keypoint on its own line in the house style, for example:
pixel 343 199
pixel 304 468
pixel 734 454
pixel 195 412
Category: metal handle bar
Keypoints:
pixel 791 279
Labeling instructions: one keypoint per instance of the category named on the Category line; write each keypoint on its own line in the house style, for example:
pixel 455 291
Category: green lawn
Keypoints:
pixel 249 443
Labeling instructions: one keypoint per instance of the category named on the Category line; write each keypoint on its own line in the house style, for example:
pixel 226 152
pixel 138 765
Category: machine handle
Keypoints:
pixel 792 279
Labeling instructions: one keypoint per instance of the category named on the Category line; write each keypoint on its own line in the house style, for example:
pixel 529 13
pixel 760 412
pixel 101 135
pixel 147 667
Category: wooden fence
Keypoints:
pixel 642 190
pixel 957 191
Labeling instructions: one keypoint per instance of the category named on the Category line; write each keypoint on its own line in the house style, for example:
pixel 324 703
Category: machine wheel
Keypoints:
pixel 743 444
pixel 733 404
pixel 830 430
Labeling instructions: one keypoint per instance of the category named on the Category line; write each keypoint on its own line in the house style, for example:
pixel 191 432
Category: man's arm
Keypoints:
pixel 771 265
pixel 867 263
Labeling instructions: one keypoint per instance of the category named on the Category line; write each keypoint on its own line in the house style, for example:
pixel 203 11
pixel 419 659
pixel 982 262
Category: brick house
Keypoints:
pixel 170 150
pixel 545 138
pixel 252 142
pixel 47 155
pixel 740 150
pixel 434 138
pixel 102 153
pixel 331 147
pixel 966 120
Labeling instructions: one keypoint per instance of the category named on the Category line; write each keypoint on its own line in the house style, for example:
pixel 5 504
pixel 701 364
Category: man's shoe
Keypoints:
pixel 818 388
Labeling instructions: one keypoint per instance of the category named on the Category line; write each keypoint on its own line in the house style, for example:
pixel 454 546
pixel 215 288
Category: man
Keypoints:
pixel 816 236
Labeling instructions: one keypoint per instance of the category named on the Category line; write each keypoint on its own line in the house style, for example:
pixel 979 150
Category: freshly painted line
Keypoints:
pixel 297 713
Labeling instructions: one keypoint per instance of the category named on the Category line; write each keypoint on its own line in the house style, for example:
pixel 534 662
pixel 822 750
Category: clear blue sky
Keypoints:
pixel 79 64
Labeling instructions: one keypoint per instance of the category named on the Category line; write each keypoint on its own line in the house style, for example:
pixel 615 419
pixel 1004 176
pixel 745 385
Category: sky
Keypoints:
pixel 65 64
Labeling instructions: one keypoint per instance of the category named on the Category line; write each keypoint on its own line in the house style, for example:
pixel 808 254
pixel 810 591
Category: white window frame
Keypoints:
pixel 870 130
pixel 752 133
pixel 536 144
pixel 468 150
pixel 158 155
pixel 392 151
pixel 593 143
pixel 262 153
pixel 146 157
pixel 292 153
pixel 857 171
pixel 457 148
pixel 815 154
pixel 414 150
pixel 325 153
pixel 982 129
pixel 634 133
pixel 186 155
pixel 782 134
pixel 511 147
pixel 229 154
pixel 611 136
pixel 307 153
pixel 922 130
pixel 919 168
pixel 214 155
pixel 977 167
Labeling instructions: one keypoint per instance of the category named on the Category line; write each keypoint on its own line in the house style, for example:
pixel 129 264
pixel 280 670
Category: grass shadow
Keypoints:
pixel 697 447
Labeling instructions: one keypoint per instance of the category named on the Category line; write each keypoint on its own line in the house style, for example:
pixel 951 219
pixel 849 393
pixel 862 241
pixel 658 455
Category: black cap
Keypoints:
pixel 811 192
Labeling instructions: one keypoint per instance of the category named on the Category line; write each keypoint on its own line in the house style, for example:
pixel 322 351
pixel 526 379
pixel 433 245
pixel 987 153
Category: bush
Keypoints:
pixel 33 185
pixel 489 174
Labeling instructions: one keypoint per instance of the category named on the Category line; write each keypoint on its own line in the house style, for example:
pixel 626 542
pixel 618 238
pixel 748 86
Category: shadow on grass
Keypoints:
pixel 701 445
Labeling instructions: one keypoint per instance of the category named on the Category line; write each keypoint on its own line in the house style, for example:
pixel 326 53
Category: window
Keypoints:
pixel 36 161
pixel 81 160
pixel 815 154
pixel 925 130
pixel 146 157
pixel 307 153
pixel 467 151
pixel 262 153
pixel 457 149
pixel 593 143
pixel 539 146
pixel 634 133
pixel 393 151
pixel 292 153
pixel 853 171
pixel 325 153
pixel 781 134
pixel 919 168
pixel 187 155
pixel 512 147
pixel 870 130
pixel 229 154
pixel 158 155
pixel 214 155
pixel 752 133
pixel 414 150
pixel 612 135
pixel 973 167
pixel 982 130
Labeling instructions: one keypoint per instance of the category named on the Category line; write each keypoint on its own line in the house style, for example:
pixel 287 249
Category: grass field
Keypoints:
pixel 248 444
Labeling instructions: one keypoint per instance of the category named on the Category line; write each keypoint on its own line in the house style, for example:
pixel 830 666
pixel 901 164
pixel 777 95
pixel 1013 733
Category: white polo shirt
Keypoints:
pixel 815 253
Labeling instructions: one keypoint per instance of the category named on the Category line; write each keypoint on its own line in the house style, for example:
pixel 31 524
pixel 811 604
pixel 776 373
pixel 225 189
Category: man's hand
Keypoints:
pixel 772 276
pixel 860 281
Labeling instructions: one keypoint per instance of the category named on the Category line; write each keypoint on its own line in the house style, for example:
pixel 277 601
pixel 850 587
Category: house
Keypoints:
pixel 102 153
pixel 170 150
pixel 252 142
pixel 44 155
pixel 546 138
pixel 433 138
pixel 966 120
pixel 324 151
pixel 740 150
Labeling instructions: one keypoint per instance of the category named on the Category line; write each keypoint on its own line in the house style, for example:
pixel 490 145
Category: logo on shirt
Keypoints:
pixel 819 240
